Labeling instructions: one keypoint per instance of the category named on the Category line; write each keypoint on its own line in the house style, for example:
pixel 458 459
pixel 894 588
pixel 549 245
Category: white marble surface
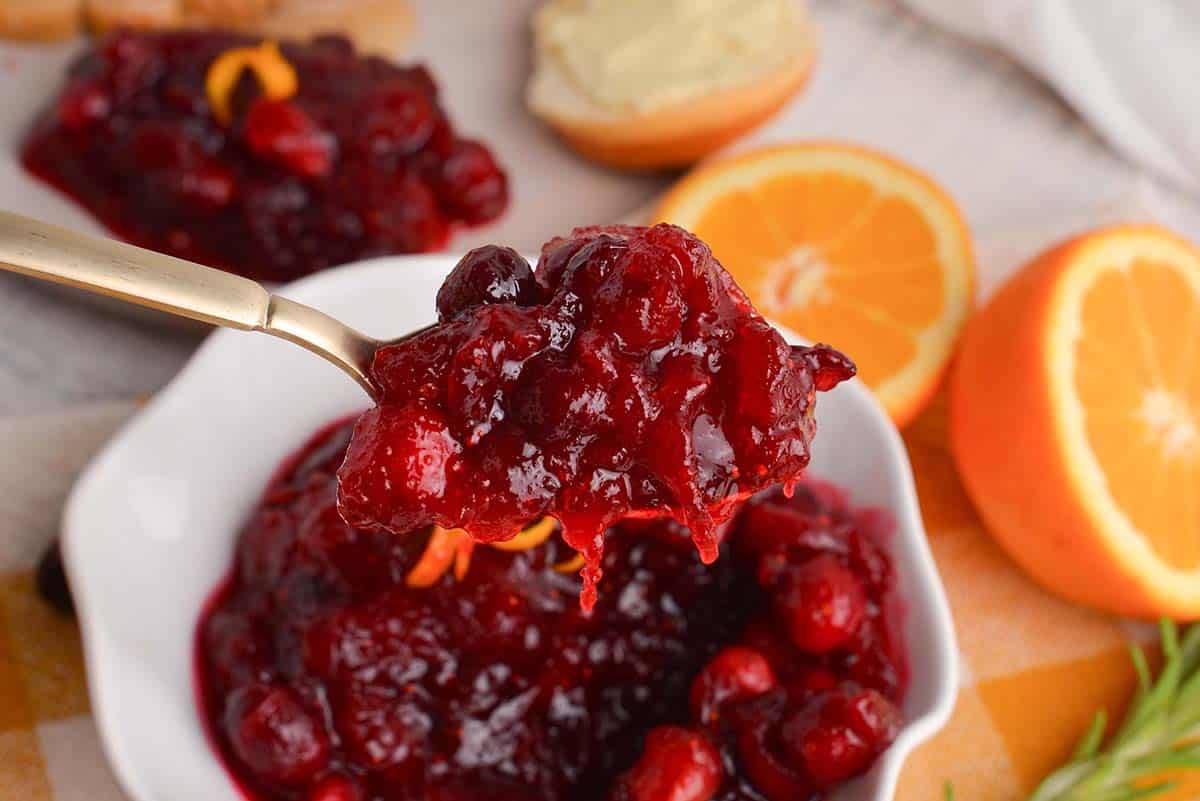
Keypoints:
pixel 1008 150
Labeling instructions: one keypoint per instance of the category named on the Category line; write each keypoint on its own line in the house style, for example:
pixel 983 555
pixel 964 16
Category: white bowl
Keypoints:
pixel 150 527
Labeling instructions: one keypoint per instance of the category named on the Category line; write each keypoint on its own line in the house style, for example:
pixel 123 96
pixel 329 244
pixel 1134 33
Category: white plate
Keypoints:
pixel 150 527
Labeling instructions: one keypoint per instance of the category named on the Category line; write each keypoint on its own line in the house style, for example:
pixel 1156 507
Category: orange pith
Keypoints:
pixel 845 246
pixel 1076 424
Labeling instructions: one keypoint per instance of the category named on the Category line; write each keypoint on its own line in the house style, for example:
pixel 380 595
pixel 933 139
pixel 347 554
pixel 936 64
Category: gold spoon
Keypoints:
pixel 176 286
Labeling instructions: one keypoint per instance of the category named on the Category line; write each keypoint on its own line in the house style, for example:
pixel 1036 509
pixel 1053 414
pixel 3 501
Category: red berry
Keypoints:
pixel 872 717
pixel 489 274
pixel 839 733
pixel 771 774
pixel 737 672
pixel 676 765
pixel 83 103
pixel 335 787
pixel 397 117
pixel 820 603
pixel 830 754
pixel 282 132
pixel 472 185
pixel 274 735
pixel 402 459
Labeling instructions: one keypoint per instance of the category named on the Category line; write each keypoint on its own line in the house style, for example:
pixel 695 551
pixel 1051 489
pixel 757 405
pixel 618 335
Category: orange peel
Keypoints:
pixel 452 548
pixel 447 547
pixel 274 74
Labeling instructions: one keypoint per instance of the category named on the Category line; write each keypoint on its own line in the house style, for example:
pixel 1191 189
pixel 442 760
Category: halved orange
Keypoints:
pixel 842 245
pixel 1075 420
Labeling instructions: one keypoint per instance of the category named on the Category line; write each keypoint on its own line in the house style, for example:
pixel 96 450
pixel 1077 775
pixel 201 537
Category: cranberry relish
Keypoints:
pixel 628 377
pixel 361 161
pixel 771 675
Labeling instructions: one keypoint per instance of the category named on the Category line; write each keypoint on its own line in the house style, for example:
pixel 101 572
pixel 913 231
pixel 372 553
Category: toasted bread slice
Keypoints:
pixel 674 135
pixel 39 20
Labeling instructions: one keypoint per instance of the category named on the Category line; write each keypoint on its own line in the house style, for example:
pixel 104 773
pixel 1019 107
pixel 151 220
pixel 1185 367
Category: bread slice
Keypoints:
pixel 39 20
pixel 105 15
pixel 375 26
pixel 675 135
pixel 381 27
pixel 229 12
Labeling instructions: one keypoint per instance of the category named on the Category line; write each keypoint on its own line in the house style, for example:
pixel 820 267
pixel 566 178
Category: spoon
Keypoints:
pixel 180 287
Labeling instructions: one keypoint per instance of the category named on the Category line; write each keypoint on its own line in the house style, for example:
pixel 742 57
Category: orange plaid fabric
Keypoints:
pixel 1035 668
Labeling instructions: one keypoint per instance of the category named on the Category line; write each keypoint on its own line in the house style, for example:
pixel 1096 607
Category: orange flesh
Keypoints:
pixel 1136 379
pixel 828 256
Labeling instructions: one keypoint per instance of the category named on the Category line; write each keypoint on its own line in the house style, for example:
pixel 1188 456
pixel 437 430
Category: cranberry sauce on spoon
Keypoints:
pixel 628 376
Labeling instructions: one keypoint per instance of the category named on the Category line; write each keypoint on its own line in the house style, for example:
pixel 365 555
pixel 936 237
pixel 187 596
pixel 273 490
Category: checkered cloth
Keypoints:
pixel 1035 668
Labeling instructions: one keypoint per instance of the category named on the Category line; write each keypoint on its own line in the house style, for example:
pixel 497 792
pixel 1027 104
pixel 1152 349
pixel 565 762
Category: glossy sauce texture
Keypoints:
pixel 325 677
pixel 628 376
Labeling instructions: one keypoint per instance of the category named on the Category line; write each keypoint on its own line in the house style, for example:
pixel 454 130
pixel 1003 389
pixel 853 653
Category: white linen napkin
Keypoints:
pixel 1131 68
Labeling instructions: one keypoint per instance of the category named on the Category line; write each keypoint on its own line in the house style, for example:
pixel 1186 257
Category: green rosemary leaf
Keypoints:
pixel 1092 739
pixel 1160 732
pixel 1134 793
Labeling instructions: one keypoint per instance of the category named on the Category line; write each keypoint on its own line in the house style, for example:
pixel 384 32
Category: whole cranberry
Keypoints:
pixel 839 733
pixel 735 673
pixel 335 787
pixel 472 185
pixel 820 603
pixel 774 775
pixel 399 459
pixel 272 732
pixel 676 765
pixel 83 103
pixel 282 132
pixel 398 117
pixel 488 274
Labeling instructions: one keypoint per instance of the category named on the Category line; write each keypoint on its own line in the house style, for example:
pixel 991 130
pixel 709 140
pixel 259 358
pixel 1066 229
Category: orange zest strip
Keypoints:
pixel 462 558
pixel 572 565
pixel 452 547
pixel 530 537
pixel 274 74
pixel 447 546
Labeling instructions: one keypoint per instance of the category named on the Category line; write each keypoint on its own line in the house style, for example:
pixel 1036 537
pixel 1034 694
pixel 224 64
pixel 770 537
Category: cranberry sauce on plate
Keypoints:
pixel 770 675
pixel 360 161
pixel 628 376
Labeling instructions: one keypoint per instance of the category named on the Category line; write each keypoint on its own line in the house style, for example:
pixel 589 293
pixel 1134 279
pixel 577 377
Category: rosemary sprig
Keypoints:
pixel 1161 732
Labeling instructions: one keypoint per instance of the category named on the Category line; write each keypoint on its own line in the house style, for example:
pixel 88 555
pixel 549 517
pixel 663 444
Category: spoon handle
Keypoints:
pixel 176 286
